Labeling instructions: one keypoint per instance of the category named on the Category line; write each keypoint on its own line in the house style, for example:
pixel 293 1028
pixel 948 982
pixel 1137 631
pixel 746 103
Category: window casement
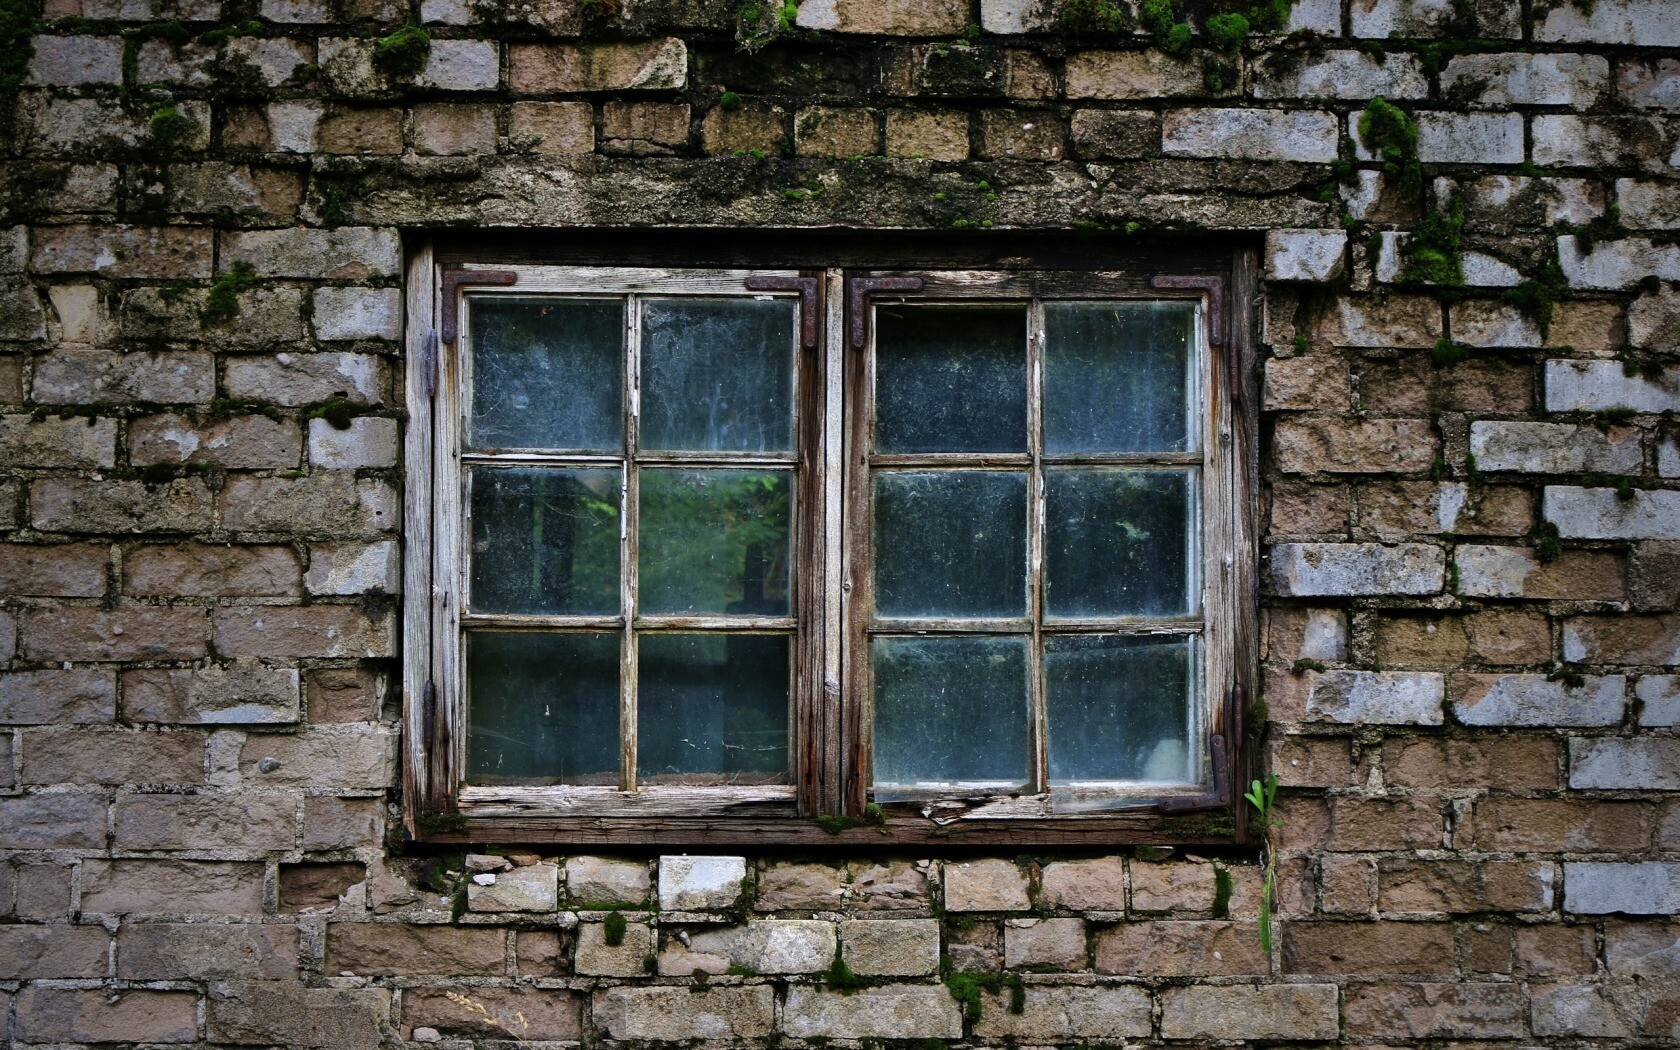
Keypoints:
pixel 700 555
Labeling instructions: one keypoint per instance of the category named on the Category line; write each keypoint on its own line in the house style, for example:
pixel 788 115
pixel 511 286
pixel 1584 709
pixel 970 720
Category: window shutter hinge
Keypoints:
pixel 1218 798
pixel 857 301
pixel 450 312
pixel 429 363
pixel 807 289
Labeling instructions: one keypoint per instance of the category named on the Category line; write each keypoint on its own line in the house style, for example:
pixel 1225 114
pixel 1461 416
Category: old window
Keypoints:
pixel 703 554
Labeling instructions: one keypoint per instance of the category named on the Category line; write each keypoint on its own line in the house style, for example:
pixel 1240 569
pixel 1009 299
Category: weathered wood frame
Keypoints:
pixel 830 719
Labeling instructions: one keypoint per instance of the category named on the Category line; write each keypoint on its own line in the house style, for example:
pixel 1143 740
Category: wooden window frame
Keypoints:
pixel 830 724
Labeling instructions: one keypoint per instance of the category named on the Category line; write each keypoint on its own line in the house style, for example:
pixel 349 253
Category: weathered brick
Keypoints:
pixel 271 1012
pixel 376 949
pixel 1492 636
pixel 1346 74
pixel 700 883
pixel 826 131
pixel 656 128
pixel 1367 948
pixel 1659 699
pixel 1056 1016
pixel 171 887
pixel 87 756
pixel 243 691
pixel 238 443
pixel 1252 134
pixel 1517 572
pixel 1604 513
pixel 131 633
pixel 1498 80
pixel 73 1015
pixel 1098 884
pixel 210 571
pixel 1535 700
pixel 30 952
pixel 49 697
pixel 532 1013
pixel 1305 255
pixel 894 1011
pixel 25 441
pixel 198 822
pixel 890 947
pixel 681 1013
pixel 340 823
pixel 1511 763
pixel 1382 697
pixel 551 127
pixel 206 951
pixel 122 251
pixel 1384 824
pixel 935 134
pixel 594 956
pixel 1602 888
pixel 1290 1011
pixel 84 505
pixel 97 377
pixel 1045 944
pixel 347 253
pixel 985 885
pixel 1133 75
pixel 885 17
pixel 1179 948
pixel 1622 639
pixel 1508 825
pixel 1436 1011
pixel 335 503
pixel 525 889
pixel 1436 886
pixel 651 65
pixel 1555 448
pixel 53 820
pixel 369 441
pixel 1307 569
pixel 1304 445
pixel 318 759
pixel 1638 764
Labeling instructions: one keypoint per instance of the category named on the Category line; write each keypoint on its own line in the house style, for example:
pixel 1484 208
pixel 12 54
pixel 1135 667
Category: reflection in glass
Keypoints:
pixel 1116 377
pixel 715 541
pixel 951 379
pixel 547 373
pixel 950 711
pixel 713 709
pixel 1117 542
pixel 717 375
pixel 1119 708
pixel 544 540
pixel 542 708
pixel 950 543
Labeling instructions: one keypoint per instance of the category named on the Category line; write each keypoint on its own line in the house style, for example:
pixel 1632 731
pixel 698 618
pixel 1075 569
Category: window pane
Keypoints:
pixel 542 707
pixel 1116 376
pixel 950 711
pixel 715 541
pixel 950 543
pixel 713 709
pixel 547 373
pixel 717 375
pixel 1119 708
pixel 544 541
pixel 1117 542
pixel 951 379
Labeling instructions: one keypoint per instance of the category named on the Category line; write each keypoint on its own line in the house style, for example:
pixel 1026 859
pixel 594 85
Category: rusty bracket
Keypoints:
pixel 857 301
pixel 448 323
pixel 1218 798
pixel 807 289
pixel 1211 287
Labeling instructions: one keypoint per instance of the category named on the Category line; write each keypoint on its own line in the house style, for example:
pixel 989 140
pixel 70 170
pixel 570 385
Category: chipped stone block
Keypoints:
pixel 1306 136
pixel 1599 386
pixel 985 885
pixel 1293 1011
pixel 1305 255
pixel 604 880
pixel 1624 764
pixel 681 1013
pixel 890 947
pixel 1533 700
pixel 1554 448
pixel 1306 569
pixel 1659 698
pixel 1379 697
pixel 700 883
pixel 1605 514
pixel 901 1011
pixel 1607 887
pixel 531 888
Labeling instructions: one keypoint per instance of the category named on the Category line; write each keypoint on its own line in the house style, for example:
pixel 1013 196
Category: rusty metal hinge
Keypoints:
pixel 452 282
pixel 429 362
pixel 1218 798
pixel 857 301
pixel 807 289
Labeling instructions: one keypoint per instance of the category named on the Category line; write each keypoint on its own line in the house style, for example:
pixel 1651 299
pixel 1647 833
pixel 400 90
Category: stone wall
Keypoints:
pixel 1472 513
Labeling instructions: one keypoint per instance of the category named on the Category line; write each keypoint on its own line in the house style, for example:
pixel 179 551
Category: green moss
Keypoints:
pixel 20 20
pixel 337 411
pixel 1222 887
pixel 1432 253
pixel 612 930
pixel 729 101
pixel 1606 227
pixel 1160 17
pixel 840 977
pixel 1536 297
pixel 169 125
pixel 222 304
pixel 404 52
pixel 1389 133
pixel 1227 31
pixel 1305 664
pixel 222 34
pixel 1446 352
pixel 1547 548
pixel 442 823
pixel 834 823
pixel 1093 16
pixel 968 990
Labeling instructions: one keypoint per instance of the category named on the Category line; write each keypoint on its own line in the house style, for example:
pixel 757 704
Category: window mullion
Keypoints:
pixel 630 536
pixel 1038 735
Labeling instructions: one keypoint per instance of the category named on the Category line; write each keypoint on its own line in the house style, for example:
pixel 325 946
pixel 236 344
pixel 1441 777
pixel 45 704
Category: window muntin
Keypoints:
pixel 628 466
pixel 1034 606
pixel 1196 659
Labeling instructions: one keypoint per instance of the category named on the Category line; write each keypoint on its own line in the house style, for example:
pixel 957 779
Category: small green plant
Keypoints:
pixel 1227 31
pixel 404 52
pixel 967 989
pixel 840 977
pixel 729 101
pixel 222 304
pixel 1262 795
pixel 169 124
pixel 1388 132
pixel 612 930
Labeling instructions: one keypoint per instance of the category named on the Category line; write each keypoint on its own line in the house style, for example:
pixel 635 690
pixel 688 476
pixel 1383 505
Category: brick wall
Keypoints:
pixel 1472 515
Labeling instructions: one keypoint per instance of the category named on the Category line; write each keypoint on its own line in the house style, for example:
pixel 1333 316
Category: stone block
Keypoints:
pixel 1598 386
pixel 531 888
pixel 930 134
pixel 1566 140
pixel 125 756
pixel 1659 699
pixel 461 65
pixel 1045 944
pixel 1307 136
pixel 770 946
pixel 169 951
pixel 267 1013
pixel 388 949
pixel 237 443
pixel 1607 514
pixel 205 822
pixel 605 880
pixel 358 313
pixel 340 823
pixel 644 65
pixel 82 377
pixel 205 570
pixel 30 952
pixel 890 947
pixel 277 631
pixel 319 758
pixel 1623 764
pixel 1433 887
pixel 1534 700
pixel 1555 448
pixel 369 441
pixel 161 252
pixel 885 17
pixel 1172 886
pixel 1180 948
pixel 1265 1012
pixel 57 697
pixel 92 1015
pixel 243 691
pixel 1621 638
pixel 333 503
pixel 552 127
pixel 626 959
pixel 1367 949
pixel 1147 74
pixel 52 820
pixel 532 1014
pixel 454 128
pixel 985 885
pixel 354 568
pixel 1305 255
pixel 1376 697
pixel 701 883
pixel 894 1011
pixel 346 253
pixel 1436 1011
pixel 171 887
pixel 1370 446
pixel 1340 569
pixel 1609 887
pixel 1500 80
pixel 644 128
pixel 1616 265
pixel 678 1014
pixel 1103 134
pixel 1346 75
pixel 1640 23
pixel 1098 884
pixel 1056 1016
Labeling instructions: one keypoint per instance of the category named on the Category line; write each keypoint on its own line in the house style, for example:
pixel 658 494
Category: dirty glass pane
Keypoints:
pixel 547 373
pixel 1117 542
pixel 717 375
pixel 544 540
pixel 1116 376
pixel 715 541
pixel 951 379
pixel 712 709
pixel 542 708
pixel 1119 708
pixel 950 711
pixel 950 543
